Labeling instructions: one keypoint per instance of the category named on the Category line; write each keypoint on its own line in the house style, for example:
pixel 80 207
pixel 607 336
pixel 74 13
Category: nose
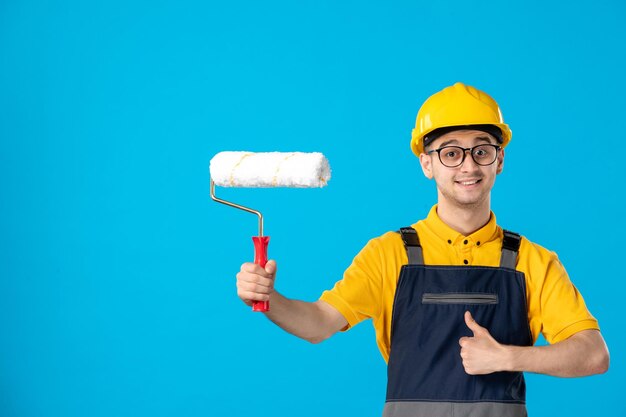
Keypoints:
pixel 468 163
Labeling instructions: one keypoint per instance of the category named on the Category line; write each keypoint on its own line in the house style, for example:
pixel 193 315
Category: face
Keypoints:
pixel 468 185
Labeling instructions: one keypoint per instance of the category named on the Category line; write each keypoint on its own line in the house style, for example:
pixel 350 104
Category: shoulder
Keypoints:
pixel 536 253
pixel 541 266
pixel 383 251
pixel 388 242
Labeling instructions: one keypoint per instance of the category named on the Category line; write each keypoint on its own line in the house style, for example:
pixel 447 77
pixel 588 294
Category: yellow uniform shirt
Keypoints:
pixel 555 307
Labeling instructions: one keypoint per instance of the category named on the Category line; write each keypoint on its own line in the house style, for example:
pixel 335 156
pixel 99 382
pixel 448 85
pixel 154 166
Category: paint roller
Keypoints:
pixel 265 170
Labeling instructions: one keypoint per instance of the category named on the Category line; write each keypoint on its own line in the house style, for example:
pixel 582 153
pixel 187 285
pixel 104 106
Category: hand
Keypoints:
pixel 481 354
pixel 255 283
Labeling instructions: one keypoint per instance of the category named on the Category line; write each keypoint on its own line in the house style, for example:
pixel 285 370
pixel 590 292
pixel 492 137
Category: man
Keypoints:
pixel 457 302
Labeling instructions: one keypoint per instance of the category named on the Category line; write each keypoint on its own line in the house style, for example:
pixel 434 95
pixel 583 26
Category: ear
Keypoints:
pixel 500 162
pixel 426 163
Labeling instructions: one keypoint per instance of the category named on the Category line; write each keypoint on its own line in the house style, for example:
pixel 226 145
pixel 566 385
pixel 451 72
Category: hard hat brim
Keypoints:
pixel 417 142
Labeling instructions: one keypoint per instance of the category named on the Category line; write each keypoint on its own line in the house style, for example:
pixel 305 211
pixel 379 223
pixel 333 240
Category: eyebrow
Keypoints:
pixel 456 142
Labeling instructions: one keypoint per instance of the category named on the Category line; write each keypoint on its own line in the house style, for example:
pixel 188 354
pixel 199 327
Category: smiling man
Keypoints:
pixel 457 302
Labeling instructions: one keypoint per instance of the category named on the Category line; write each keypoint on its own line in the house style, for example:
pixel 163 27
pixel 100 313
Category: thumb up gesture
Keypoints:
pixel 481 354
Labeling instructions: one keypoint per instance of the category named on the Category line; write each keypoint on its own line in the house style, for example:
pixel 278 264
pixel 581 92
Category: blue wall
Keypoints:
pixel 117 293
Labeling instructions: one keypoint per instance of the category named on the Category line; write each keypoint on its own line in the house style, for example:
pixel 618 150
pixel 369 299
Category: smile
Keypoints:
pixel 468 182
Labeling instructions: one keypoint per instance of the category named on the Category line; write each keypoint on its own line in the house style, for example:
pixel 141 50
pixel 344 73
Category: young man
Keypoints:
pixel 457 302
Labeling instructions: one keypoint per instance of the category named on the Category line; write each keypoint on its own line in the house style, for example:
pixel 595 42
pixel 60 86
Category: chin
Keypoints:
pixel 467 201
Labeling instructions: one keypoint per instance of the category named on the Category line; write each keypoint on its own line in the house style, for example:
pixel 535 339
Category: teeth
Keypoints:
pixel 468 182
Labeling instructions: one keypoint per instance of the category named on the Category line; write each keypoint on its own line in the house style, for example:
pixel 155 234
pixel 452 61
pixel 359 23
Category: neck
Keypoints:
pixel 464 219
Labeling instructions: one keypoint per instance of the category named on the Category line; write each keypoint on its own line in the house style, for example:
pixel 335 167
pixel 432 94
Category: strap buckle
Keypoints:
pixel 409 236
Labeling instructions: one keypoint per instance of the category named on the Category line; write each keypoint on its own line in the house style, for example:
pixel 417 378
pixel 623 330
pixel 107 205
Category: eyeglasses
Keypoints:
pixel 454 156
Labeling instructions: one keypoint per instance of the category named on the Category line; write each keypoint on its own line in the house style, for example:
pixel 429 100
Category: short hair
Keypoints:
pixel 494 131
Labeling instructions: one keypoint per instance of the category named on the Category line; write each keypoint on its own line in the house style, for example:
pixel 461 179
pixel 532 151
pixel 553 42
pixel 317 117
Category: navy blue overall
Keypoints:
pixel 425 371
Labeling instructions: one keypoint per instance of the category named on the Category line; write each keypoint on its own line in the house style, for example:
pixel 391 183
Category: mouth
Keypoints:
pixel 468 182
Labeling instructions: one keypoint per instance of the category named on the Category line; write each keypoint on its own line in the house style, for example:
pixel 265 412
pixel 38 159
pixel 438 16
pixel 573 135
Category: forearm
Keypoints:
pixel 583 354
pixel 306 320
pixel 310 321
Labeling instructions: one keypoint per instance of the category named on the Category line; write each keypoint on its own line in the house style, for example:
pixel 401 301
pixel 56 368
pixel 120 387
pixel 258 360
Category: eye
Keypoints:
pixel 484 152
pixel 451 153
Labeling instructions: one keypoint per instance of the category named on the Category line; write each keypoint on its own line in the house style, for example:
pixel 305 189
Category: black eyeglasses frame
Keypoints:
pixel 497 148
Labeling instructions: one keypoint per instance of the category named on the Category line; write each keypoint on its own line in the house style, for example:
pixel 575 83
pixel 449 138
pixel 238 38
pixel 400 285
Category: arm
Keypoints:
pixel 584 353
pixel 313 322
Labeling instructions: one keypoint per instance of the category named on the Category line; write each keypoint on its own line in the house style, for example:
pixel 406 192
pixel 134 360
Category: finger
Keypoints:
pixel 252 296
pixel 255 269
pixel 271 267
pixel 252 287
pixel 469 371
pixel 463 341
pixel 255 279
pixel 471 323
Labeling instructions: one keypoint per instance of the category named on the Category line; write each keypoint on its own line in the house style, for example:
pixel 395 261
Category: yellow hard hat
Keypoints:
pixel 458 106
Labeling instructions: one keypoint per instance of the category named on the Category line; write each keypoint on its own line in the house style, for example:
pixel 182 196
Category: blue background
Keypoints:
pixel 117 272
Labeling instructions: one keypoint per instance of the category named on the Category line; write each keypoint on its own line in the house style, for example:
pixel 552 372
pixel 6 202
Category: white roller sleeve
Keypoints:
pixel 270 169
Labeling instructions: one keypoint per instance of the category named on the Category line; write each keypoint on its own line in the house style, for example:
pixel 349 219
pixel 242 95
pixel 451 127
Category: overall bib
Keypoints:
pixel 426 377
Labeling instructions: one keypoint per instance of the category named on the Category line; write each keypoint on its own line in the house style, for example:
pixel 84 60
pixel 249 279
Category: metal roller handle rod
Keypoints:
pixel 260 244
pixel 228 203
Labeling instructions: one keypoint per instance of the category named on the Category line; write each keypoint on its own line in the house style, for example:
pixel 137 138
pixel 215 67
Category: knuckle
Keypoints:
pixel 247 277
pixel 260 289
pixel 247 295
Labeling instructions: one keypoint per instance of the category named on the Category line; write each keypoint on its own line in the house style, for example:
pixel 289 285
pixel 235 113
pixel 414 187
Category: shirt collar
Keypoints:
pixel 485 234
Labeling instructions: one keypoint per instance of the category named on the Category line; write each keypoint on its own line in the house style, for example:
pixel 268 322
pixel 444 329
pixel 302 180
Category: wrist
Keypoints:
pixel 510 358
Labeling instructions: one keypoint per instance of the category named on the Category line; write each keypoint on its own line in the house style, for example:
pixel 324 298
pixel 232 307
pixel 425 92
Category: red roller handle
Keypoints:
pixel 260 258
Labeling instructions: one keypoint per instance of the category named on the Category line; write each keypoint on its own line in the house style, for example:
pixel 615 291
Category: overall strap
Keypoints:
pixel 510 247
pixel 412 245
